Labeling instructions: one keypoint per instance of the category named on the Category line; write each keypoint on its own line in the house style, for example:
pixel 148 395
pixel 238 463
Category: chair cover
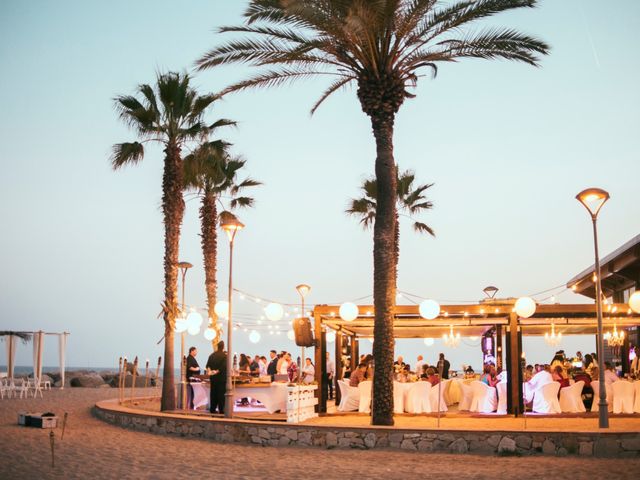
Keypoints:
pixel 466 396
pixel 545 398
pixel 418 399
pixel 433 396
pixel 595 406
pixel 622 392
pixel 399 391
pixel 571 398
pixel 364 393
pixel 485 399
pixel 350 397
pixel 636 404
pixel 502 398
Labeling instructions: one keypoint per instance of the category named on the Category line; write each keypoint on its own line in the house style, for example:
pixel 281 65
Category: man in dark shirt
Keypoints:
pixel 217 363
pixel 444 366
pixel 272 368
pixel 193 369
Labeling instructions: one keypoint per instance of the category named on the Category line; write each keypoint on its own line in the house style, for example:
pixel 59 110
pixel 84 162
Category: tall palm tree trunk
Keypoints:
pixel 384 271
pixel 209 241
pixel 173 210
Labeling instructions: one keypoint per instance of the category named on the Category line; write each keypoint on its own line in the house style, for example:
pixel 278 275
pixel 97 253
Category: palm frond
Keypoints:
pixel 420 227
pixel 335 86
pixel 126 153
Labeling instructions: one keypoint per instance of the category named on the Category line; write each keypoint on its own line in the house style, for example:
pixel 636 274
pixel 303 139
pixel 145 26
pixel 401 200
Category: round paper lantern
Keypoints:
pixel 194 319
pixel 371 339
pixel 254 336
pixel 193 330
pixel 348 311
pixel 331 336
pixel 181 325
pixel 222 308
pixel 429 342
pixel 634 301
pixel 291 335
pixel 209 334
pixel 274 311
pixel 429 309
pixel 525 307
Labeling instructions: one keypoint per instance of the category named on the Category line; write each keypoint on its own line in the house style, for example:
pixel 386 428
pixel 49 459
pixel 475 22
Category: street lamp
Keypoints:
pixel 593 199
pixel 183 266
pixel 231 226
pixel 302 289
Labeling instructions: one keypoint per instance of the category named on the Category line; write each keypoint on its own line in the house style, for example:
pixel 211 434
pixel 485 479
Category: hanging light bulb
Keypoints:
pixel 348 311
pixel 274 311
pixel 553 339
pixel 451 340
pixel 615 338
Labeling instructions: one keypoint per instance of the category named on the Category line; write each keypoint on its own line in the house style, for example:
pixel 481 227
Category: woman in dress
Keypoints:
pixel 309 371
pixel 489 376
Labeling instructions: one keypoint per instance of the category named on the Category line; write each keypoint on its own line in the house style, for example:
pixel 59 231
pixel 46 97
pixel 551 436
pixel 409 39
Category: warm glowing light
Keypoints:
pixel 615 338
pixel 254 336
pixel 428 341
pixel 525 307
pixel 181 325
pixel 554 338
pixel 348 311
pixel 451 340
pixel 222 308
pixel 274 311
pixel 193 329
pixel 231 226
pixel 574 287
pixel 194 319
pixel 210 334
pixel 303 289
pixel 593 199
pixel 634 301
pixel 429 309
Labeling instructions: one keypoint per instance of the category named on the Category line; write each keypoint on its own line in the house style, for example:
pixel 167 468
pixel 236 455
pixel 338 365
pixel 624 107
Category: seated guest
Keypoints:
pixel 488 376
pixel 528 373
pixel 591 368
pixel 558 375
pixel 432 377
pixel 609 374
pixel 308 372
pixel 357 375
pixel 368 360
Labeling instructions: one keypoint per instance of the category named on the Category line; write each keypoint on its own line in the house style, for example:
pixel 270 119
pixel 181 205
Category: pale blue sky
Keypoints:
pixel 508 147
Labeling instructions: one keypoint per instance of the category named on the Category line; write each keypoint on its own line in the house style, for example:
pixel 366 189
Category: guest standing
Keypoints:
pixel 444 366
pixel 272 369
pixel 329 376
pixel 217 364
pixel 308 372
pixel 292 368
pixel 193 369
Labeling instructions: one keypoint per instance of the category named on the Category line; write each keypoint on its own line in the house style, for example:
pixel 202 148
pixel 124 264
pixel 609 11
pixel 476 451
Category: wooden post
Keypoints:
pixel 355 353
pixel 498 347
pixel 514 372
pixel 320 347
pixel 338 365
pixel 322 366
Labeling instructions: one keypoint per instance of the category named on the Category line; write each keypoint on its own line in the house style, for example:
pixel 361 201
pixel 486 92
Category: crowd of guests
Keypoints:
pixel 402 370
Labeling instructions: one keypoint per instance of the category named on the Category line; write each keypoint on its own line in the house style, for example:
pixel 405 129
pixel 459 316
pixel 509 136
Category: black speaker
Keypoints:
pixel 302 330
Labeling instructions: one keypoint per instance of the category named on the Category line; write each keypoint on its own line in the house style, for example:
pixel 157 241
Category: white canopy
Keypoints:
pixel 38 349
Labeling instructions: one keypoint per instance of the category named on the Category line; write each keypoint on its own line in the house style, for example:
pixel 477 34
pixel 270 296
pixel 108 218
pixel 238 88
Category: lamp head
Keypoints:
pixel 303 289
pixel 593 199
pixel 231 225
pixel 490 291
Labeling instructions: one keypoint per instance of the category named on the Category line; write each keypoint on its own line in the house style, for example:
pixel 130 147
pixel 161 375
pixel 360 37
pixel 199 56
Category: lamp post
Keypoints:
pixel 183 266
pixel 302 289
pixel 231 226
pixel 593 199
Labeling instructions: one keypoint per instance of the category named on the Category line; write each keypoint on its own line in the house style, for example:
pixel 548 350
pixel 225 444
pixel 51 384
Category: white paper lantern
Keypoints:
pixel 254 336
pixel 348 311
pixel 274 311
pixel 181 325
pixel 429 309
pixel 331 336
pixel 194 319
pixel 525 307
pixel 634 301
pixel 222 308
pixel 193 330
pixel 429 342
pixel 209 334
pixel 291 335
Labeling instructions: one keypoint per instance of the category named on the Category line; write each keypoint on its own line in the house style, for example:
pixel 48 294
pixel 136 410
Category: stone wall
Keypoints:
pixel 608 444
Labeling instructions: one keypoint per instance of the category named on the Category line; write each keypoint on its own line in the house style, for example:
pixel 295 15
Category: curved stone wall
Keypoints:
pixel 607 444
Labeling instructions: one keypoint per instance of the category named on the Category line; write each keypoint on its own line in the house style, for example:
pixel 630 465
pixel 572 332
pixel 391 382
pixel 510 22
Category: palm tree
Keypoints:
pixel 382 46
pixel 211 173
pixel 171 114
pixel 410 200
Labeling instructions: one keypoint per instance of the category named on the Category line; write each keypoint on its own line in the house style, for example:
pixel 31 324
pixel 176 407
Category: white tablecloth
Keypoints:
pixel 273 397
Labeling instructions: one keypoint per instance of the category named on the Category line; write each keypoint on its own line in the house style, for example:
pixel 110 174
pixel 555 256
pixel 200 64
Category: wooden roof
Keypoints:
pixel 619 270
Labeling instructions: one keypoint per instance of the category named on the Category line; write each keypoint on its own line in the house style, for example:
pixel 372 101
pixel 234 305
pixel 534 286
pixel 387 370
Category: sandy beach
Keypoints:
pixel 93 449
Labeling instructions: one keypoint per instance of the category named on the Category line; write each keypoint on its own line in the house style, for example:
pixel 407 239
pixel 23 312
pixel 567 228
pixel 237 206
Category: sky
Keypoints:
pixel 508 147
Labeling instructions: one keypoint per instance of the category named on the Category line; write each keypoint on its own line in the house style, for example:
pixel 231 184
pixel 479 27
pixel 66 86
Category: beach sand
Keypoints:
pixel 92 449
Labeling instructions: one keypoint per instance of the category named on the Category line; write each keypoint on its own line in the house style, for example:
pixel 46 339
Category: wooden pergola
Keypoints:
pixel 496 317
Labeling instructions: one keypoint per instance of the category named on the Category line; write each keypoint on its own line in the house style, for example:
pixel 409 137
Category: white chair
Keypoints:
pixel 571 398
pixel 595 406
pixel 433 396
pixel 466 396
pixel 4 388
pixel 417 399
pixel 622 392
pixel 545 398
pixel 501 389
pixel 485 399
pixel 636 404
pixel 398 397
pixel 36 387
pixel 364 390
pixel 349 397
